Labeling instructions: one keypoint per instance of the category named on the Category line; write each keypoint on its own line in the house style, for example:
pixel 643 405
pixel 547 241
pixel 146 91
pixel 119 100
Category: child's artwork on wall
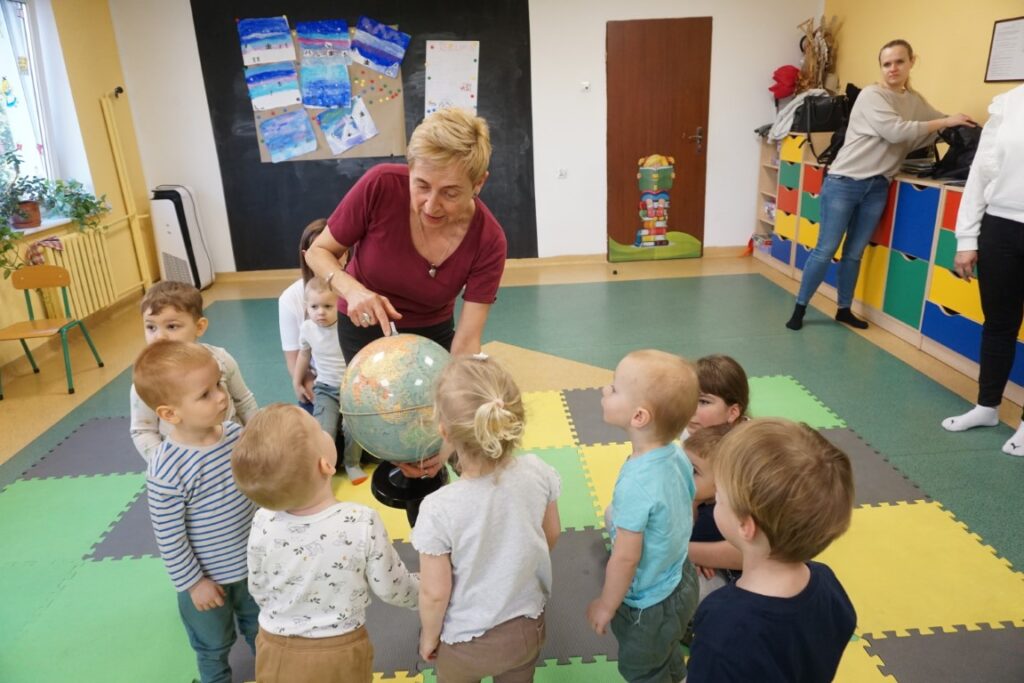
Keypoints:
pixel 288 136
pixel 272 85
pixel 378 46
pixel 451 74
pixel 266 40
pixel 325 82
pixel 652 239
pixel 344 129
pixel 324 38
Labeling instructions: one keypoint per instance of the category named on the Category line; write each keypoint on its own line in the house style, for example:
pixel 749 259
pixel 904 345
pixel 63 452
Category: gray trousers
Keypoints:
pixel 327 411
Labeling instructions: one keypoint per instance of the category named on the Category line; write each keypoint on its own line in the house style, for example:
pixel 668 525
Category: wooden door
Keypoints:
pixel 659 73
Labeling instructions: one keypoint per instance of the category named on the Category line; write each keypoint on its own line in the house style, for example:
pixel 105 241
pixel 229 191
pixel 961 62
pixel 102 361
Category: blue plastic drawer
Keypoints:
pixel 832 274
pixel 914 226
pixel 952 330
pixel 802 253
pixel 782 249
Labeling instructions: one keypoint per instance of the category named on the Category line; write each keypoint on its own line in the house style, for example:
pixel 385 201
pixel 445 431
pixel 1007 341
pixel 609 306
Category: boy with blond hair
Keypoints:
pixel 650 589
pixel 200 518
pixel 784 493
pixel 312 560
pixel 173 311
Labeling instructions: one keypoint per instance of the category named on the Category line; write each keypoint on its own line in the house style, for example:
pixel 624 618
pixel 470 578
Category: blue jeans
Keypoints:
pixel 212 633
pixel 848 207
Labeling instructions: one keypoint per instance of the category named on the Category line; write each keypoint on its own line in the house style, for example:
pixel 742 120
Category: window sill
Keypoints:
pixel 47 224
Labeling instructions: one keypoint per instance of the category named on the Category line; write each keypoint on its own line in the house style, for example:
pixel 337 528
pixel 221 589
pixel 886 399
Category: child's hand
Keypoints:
pixel 706 572
pixel 207 595
pixel 598 615
pixel 303 393
pixel 428 648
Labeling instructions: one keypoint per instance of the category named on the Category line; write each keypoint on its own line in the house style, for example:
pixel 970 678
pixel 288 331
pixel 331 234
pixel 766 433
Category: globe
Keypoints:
pixel 387 397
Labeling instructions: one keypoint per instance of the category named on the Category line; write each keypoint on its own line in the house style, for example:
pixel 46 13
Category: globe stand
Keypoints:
pixel 392 488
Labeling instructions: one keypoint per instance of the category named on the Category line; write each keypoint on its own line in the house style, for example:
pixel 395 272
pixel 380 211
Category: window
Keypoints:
pixel 21 119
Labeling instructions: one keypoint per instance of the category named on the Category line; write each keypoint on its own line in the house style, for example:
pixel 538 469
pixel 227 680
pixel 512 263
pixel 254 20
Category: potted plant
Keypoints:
pixel 22 195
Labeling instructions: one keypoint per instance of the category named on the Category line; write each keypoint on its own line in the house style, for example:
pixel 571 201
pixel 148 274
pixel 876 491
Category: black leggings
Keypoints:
pixel 1001 281
pixel 353 338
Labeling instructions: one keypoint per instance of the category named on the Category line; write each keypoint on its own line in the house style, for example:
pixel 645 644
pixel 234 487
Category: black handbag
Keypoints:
pixel 820 113
pixel 955 164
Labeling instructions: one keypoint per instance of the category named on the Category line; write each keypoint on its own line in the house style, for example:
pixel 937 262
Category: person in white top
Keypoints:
pixel 888 121
pixel 485 540
pixel 313 561
pixel 291 308
pixel 990 234
pixel 318 342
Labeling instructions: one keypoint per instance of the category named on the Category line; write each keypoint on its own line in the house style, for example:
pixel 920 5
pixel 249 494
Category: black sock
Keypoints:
pixel 796 321
pixel 845 315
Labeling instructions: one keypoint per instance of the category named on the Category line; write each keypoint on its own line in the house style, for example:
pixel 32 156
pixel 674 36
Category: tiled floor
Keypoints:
pixel 927 560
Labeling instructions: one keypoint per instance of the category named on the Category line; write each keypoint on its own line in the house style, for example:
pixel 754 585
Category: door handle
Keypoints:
pixel 699 137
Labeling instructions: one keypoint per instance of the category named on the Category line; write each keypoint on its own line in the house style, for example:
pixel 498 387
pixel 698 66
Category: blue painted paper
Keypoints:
pixel 325 83
pixel 325 38
pixel 266 40
pixel 272 85
pixel 344 129
pixel 379 47
pixel 288 136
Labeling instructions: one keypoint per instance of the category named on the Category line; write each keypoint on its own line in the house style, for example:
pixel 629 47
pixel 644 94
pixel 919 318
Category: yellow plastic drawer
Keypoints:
pixel 808 233
pixel 785 224
pixel 792 148
pixel 954 293
pixel 874 266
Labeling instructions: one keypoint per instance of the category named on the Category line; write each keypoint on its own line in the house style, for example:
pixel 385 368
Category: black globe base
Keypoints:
pixel 394 489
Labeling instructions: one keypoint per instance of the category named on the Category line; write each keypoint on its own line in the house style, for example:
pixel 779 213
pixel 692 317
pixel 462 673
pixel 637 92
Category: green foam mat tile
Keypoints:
pixel 783 396
pixel 45 519
pixel 28 587
pixel 576 504
pixel 124 619
pixel 600 670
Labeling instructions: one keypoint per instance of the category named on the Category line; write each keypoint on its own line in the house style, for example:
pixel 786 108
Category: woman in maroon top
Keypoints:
pixel 418 235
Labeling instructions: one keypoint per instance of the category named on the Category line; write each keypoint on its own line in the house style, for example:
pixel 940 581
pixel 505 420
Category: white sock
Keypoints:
pixel 1015 446
pixel 978 416
pixel 355 474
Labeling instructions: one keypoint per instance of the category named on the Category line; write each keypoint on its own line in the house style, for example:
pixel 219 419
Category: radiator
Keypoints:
pixel 92 288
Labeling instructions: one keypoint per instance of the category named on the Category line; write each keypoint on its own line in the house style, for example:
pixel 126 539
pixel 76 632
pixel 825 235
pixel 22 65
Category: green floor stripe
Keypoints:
pixel 576 671
pixel 576 504
pixel 779 396
pixel 28 588
pixel 119 621
pixel 47 519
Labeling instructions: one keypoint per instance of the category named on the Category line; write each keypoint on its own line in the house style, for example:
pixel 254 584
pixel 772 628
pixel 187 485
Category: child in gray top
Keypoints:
pixel 485 540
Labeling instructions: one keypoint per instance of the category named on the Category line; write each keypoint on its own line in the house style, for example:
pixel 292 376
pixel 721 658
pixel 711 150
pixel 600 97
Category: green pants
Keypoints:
pixel 650 639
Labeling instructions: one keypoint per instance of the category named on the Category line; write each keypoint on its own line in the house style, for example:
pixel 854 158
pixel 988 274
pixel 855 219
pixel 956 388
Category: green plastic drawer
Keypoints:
pixel 789 175
pixel 904 288
pixel 945 250
pixel 810 207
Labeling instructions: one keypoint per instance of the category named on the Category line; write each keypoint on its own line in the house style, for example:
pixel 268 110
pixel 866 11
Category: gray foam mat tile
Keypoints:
pixel 395 631
pixel 242 661
pixel 130 536
pixel 989 655
pixel 100 446
pixel 875 480
pixel 585 412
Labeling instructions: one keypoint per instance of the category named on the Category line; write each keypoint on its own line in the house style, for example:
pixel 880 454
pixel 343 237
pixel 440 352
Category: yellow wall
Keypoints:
pixel 951 39
pixel 94 67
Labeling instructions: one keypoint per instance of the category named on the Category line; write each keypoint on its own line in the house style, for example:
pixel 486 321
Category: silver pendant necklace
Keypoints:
pixel 432 270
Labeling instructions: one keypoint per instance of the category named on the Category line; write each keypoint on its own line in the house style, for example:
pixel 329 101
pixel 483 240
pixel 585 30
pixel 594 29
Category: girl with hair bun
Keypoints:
pixel 485 540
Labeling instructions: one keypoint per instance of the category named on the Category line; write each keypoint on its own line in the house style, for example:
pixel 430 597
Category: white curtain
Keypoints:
pixel 18 120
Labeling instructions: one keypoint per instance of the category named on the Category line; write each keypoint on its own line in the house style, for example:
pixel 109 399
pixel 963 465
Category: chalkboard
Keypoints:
pixel 269 204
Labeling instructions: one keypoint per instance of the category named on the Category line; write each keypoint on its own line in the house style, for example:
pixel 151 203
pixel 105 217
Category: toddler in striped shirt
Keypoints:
pixel 200 518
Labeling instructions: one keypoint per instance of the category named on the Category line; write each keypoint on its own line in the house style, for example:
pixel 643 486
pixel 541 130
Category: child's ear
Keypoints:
pixel 748 528
pixel 168 414
pixel 641 418
pixel 201 326
pixel 442 430
pixel 733 413
pixel 326 468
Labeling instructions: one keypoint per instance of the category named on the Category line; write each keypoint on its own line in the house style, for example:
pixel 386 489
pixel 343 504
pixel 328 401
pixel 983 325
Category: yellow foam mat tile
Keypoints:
pixel 914 566
pixel 547 421
pixel 602 464
pixel 395 520
pixel 536 371
pixel 399 677
pixel 857 666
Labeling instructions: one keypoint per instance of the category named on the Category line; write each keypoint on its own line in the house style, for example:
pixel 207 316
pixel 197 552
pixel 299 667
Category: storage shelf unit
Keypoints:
pixel 906 285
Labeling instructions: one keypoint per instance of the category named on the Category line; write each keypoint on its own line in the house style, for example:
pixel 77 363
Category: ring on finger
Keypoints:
pixel 365 317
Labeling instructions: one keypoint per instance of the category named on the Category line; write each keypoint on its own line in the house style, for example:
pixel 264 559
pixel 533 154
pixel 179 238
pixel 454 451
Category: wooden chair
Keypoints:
pixel 39 277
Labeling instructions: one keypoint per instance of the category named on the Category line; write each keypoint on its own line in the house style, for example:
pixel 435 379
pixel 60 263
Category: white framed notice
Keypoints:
pixel 1006 53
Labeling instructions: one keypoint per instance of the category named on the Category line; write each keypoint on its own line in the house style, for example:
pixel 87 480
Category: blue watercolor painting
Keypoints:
pixel 344 129
pixel 266 40
pixel 379 47
pixel 288 136
pixel 272 85
pixel 325 38
pixel 325 83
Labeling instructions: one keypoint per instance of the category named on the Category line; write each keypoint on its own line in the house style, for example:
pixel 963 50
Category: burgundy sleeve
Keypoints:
pixel 485 275
pixel 351 218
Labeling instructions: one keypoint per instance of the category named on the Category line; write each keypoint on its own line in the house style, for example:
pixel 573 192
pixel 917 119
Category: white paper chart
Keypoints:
pixel 451 74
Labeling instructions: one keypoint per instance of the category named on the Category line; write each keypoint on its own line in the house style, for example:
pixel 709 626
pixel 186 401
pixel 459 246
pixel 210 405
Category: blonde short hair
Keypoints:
pixel 667 387
pixel 480 407
pixel 704 442
pixel 452 136
pixel 316 284
pixel 274 461
pixel 796 485
pixel 159 368
pixel 178 295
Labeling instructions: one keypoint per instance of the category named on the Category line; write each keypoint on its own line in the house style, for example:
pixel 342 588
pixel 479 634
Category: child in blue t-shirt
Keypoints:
pixel 784 494
pixel 650 589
